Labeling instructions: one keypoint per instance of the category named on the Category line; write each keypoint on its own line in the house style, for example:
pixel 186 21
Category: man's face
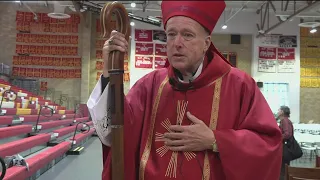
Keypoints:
pixel 280 113
pixel 187 42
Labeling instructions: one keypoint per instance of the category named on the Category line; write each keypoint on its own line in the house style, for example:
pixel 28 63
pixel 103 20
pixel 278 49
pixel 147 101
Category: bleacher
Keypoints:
pixel 35 133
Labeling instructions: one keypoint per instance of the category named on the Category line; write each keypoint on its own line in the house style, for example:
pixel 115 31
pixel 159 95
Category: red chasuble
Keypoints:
pixel 227 100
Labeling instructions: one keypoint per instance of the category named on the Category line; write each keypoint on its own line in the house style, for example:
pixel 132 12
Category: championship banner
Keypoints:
pixel 53 39
pixel 51 73
pixel 99 65
pixel 144 48
pixel 16 60
pixel 77 73
pixel 286 59
pixel 57 73
pixel 126 66
pixel 159 35
pixel 143 35
pixel 15 71
pixel 267 59
pixel 20 16
pixel 36 61
pixel 23 60
pixel 99 54
pixel 29 60
pixel 22 72
pixel 144 62
pixel 126 77
pixel 43 73
pixel 36 72
pixel 98 75
pixel 43 61
pixel 29 72
pixel 160 49
pixel 77 62
pixel 43 86
pixel 19 37
pixel 159 62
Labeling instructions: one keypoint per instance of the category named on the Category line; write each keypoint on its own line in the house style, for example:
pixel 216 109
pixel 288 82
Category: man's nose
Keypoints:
pixel 178 41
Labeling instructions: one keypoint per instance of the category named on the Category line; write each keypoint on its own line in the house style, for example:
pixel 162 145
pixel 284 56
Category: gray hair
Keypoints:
pixel 286 111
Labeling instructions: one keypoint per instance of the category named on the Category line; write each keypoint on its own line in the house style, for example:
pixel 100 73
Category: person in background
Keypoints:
pixel 287 132
pixel 198 119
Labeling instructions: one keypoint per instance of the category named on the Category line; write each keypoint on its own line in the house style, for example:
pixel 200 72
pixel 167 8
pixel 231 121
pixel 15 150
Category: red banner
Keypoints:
pixel 269 53
pixel 143 35
pixel 160 49
pixel 144 48
pixel 159 62
pixel 143 61
pixel 286 54
pixel 126 77
pixel 44 86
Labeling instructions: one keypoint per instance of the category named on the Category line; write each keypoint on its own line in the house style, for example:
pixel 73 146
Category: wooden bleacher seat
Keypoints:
pixel 295 173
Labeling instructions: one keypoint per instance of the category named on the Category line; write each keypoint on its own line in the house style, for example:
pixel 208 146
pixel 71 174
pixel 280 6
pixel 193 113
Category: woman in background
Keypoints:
pixel 287 132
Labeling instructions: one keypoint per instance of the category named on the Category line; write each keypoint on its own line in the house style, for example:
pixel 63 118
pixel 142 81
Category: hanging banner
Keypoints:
pixel 269 40
pixel 159 35
pixel 144 48
pixel 144 62
pixel 267 59
pixel 159 62
pixel 143 35
pixel 288 41
pixel 160 49
pixel 286 59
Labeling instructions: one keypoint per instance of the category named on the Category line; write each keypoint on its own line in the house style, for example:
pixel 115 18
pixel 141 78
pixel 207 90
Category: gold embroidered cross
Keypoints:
pixel 172 166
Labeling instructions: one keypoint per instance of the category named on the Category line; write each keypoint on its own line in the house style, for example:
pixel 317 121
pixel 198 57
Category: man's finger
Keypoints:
pixel 174 135
pixel 169 142
pixel 194 119
pixel 177 128
pixel 177 148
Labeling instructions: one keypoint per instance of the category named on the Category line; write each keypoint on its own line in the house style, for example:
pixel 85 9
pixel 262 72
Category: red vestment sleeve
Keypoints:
pixel 253 150
pixel 135 103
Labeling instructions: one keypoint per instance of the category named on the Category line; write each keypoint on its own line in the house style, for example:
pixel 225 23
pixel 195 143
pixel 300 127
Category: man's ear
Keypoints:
pixel 207 42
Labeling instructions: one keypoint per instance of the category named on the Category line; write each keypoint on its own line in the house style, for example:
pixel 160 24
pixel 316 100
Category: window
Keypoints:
pixel 276 95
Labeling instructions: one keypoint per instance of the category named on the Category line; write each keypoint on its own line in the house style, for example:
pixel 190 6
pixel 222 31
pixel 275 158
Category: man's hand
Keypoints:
pixel 195 137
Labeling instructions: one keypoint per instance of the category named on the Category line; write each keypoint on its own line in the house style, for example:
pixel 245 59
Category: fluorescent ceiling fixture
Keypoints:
pixel 313 30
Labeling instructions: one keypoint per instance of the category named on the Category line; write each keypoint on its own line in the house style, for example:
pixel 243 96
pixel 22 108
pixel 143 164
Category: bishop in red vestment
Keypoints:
pixel 199 118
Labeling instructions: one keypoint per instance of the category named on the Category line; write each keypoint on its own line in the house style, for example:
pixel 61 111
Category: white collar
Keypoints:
pixel 197 74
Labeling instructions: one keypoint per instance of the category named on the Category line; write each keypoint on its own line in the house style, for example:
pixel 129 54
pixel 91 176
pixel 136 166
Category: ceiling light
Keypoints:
pixel 313 30
pixel 17 1
pixel 224 26
pixel 133 4
pixel 132 23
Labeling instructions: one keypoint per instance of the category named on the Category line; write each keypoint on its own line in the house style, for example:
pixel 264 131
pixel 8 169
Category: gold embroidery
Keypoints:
pixel 147 149
pixel 213 123
pixel 172 166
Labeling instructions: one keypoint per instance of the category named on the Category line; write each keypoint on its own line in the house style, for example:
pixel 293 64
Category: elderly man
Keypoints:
pixel 197 119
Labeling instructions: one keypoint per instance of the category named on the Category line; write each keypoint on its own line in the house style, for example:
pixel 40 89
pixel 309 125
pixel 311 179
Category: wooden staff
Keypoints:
pixel 116 70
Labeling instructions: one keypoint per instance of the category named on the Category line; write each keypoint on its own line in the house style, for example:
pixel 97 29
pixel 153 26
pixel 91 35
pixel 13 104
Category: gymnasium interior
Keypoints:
pixel 51 59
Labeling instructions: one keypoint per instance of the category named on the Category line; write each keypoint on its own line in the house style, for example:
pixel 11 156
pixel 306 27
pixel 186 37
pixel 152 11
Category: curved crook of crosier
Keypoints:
pixel 122 26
